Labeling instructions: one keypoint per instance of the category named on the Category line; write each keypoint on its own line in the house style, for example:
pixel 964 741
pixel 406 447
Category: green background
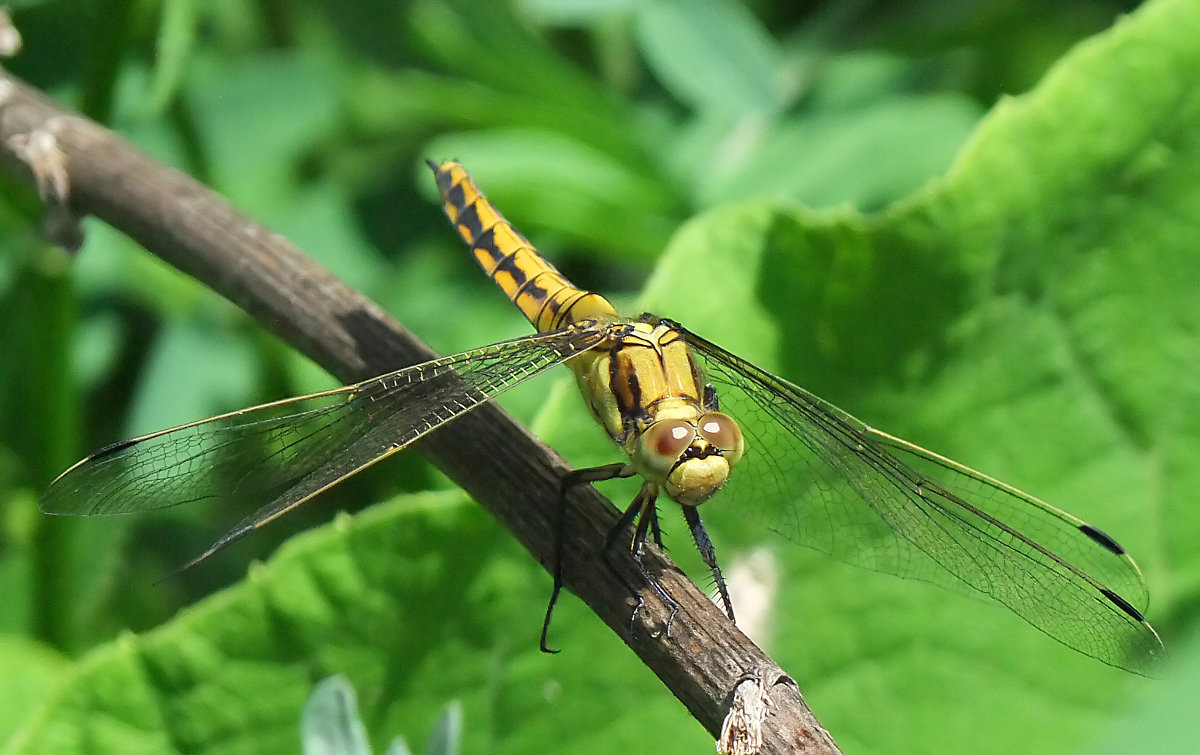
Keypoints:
pixel 975 225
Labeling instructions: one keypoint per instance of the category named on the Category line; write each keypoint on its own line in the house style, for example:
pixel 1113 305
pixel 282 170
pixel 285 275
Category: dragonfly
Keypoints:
pixel 692 420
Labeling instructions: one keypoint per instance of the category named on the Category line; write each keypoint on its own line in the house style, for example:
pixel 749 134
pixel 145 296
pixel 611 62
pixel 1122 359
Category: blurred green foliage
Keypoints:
pixel 1027 312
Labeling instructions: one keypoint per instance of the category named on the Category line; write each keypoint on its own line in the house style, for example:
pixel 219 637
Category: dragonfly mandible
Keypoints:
pixel 693 421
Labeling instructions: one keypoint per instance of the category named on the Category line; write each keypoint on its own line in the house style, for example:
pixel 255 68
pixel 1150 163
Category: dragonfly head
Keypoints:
pixel 691 459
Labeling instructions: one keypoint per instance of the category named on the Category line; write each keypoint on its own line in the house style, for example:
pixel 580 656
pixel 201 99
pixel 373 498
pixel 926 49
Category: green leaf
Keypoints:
pixel 1161 720
pixel 176 37
pixel 711 54
pixel 252 159
pixel 30 675
pixel 565 12
pixel 863 156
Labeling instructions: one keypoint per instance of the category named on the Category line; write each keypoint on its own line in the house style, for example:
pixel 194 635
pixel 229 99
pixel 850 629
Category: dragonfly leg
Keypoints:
pixel 643 507
pixel 632 513
pixel 643 510
pixel 570 480
pixel 709 554
pixel 656 531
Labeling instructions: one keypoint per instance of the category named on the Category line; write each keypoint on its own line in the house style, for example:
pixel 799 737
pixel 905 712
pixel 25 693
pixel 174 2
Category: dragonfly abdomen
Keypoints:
pixel 531 283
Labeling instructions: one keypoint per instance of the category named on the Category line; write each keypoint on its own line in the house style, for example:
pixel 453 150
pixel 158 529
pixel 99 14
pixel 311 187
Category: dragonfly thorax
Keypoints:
pixel 689 458
pixel 646 390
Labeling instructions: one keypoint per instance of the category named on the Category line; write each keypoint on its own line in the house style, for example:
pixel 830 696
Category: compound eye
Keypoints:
pixel 721 431
pixel 665 441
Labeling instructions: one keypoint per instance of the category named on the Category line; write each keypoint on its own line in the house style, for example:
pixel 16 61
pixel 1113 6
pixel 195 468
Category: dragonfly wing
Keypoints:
pixel 278 455
pixel 822 478
pixel 1089 550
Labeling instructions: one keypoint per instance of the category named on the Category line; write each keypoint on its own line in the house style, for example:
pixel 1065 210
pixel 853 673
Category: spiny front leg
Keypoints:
pixel 643 510
pixel 709 554
pixel 570 480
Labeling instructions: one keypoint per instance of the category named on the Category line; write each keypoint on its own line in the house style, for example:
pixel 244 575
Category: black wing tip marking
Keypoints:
pixel 46 499
pixel 434 165
pixel 1148 654
pixel 113 448
pixel 1123 604
pixel 1103 538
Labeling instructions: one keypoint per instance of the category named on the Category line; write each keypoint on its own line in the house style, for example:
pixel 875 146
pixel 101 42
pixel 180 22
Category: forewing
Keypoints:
pixel 824 479
pixel 277 455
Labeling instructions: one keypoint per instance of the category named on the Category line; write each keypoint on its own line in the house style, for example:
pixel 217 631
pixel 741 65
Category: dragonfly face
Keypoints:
pixel 690 458
pixel 806 469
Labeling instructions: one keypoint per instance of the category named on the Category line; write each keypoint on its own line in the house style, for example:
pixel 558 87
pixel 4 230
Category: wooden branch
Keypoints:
pixel 83 169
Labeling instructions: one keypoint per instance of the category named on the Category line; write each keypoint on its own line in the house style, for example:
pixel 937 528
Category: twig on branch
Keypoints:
pixel 505 468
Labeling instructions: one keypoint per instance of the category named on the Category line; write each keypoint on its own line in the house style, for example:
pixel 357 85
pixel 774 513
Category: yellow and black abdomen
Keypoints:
pixel 543 295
